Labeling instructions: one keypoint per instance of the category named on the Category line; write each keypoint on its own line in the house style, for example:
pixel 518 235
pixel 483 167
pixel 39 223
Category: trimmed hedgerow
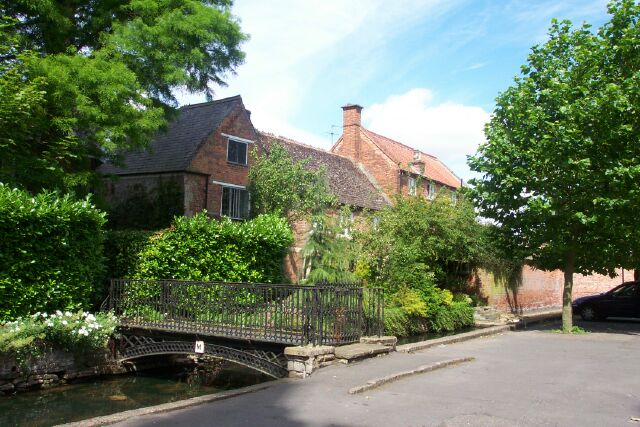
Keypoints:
pixel 50 252
pixel 122 249
pixel 200 248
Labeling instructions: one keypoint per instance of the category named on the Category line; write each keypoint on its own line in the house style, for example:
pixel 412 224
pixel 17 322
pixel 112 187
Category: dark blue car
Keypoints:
pixel 621 301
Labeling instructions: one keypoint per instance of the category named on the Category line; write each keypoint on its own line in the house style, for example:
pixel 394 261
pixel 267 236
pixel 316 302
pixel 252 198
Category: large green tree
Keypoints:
pixel 561 165
pixel 81 80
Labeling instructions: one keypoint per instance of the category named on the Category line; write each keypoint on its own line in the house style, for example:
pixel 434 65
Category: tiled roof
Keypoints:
pixel 350 184
pixel 403 155
pixel 174 149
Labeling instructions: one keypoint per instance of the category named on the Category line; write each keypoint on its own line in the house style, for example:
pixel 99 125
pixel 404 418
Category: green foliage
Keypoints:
pixel 560 165
pixel 289 188
pixel 199 248
pixel 50 252
pixel 97 77
pixel 415 250
pixel 330 252
pixel 576 330
pixel 448 318
pixel 37 145
pixel 421 241
pixel 122 249
pixel 80 333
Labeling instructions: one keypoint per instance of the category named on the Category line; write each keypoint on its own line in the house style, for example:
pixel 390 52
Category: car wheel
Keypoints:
pixel 589 313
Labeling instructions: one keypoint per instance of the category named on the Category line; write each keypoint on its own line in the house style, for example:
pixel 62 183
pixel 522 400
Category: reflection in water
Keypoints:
pixel 121 393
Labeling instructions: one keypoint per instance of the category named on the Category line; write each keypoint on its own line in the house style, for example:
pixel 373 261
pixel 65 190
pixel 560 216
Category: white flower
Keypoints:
pixel 91 317
pixel 45 315
pixel 49 324
pixel 58 312
pixel 64 322
pixel 68 313
pixel 83 331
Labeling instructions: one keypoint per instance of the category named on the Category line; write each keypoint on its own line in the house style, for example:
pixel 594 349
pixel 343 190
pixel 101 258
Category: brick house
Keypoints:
pixel 396 167
pixel 350 183
pixel 203 156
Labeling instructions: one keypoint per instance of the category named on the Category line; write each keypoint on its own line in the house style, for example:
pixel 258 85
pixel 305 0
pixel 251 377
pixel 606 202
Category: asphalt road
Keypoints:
pixel 526 378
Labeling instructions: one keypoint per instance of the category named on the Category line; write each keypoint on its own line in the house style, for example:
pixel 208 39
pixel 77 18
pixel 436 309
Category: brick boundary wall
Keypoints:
pixel 541 289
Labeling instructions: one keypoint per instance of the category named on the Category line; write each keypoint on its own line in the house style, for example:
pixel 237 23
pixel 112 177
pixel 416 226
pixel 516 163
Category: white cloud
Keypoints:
pixel 290 39
pixel 448 130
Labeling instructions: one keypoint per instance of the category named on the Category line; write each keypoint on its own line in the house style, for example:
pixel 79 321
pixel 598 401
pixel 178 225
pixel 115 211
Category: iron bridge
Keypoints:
pixel 246 323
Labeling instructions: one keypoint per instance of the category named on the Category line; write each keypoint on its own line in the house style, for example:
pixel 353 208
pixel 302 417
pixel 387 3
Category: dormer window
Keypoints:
pixel 416 154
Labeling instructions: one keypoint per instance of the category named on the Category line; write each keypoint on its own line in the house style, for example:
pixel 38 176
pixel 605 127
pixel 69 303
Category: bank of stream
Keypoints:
pixel 432 335
pixel 108 395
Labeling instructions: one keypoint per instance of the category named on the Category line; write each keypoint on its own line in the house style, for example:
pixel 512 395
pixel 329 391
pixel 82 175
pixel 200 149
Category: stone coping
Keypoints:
pixel 377 382
pixel 309 351
pixel 453 338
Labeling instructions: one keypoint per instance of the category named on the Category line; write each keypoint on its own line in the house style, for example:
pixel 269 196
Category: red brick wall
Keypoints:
pixel 211 159
pixel 195 193
pixel 541 289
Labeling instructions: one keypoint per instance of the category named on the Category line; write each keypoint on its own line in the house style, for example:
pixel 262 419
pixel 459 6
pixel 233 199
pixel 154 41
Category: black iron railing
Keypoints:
pixel 285 314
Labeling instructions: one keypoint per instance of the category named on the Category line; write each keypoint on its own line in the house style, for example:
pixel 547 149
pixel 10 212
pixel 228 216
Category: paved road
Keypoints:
pixel 528 378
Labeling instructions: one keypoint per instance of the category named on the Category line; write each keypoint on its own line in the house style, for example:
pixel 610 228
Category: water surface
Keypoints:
pixel 113 394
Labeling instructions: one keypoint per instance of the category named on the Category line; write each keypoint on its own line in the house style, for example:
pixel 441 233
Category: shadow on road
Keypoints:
pixel 611 326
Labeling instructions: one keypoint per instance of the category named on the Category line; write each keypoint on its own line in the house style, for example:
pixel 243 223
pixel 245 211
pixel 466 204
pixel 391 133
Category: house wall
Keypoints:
pixel 144 201
pixel 120 189
pixel 211 160
pixel 537 289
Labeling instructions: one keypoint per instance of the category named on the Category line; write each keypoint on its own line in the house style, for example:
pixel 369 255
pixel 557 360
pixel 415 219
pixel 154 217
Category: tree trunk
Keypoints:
pixel 636 274
pixel 567 310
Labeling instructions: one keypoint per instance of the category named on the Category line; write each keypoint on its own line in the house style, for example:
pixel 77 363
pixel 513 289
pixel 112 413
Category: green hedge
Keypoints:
pixel 445 318
pixel 199 248
pixel 122 249
pixel 50 252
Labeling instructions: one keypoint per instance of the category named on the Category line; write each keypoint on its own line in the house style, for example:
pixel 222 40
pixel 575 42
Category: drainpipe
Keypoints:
pixel 206 191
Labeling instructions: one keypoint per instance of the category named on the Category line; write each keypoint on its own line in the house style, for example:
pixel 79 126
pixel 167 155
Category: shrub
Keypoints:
pixel 50 252
pixel 448 318
pixel 122 251
pixel 199 248
pixel 80 333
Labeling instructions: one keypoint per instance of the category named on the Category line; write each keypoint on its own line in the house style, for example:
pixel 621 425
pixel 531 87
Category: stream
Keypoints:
pixel 108 395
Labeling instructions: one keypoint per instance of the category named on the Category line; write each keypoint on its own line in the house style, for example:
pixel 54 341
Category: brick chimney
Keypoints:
pixel 351 122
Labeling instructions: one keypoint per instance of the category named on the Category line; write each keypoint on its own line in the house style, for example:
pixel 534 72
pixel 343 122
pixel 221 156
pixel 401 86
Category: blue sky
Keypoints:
pixel 426 72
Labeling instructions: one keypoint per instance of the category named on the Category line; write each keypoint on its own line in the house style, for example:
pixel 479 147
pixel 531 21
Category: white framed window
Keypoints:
pixel 430 191
pixel 454 197
pixel 235 202
pixel 412 186
pixel 237 151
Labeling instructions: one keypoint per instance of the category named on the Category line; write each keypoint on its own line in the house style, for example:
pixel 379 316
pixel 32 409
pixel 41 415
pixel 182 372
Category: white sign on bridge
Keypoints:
pixel 199 347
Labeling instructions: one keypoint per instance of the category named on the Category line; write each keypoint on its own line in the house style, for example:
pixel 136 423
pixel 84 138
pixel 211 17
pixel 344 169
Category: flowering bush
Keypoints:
pixel 78 333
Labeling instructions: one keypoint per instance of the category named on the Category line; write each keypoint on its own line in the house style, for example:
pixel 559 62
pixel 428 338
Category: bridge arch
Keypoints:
pixel 267 362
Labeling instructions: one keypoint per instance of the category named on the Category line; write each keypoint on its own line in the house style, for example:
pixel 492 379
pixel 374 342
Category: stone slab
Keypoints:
pixel 389 341
pixel 308 351
pixel 360 351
